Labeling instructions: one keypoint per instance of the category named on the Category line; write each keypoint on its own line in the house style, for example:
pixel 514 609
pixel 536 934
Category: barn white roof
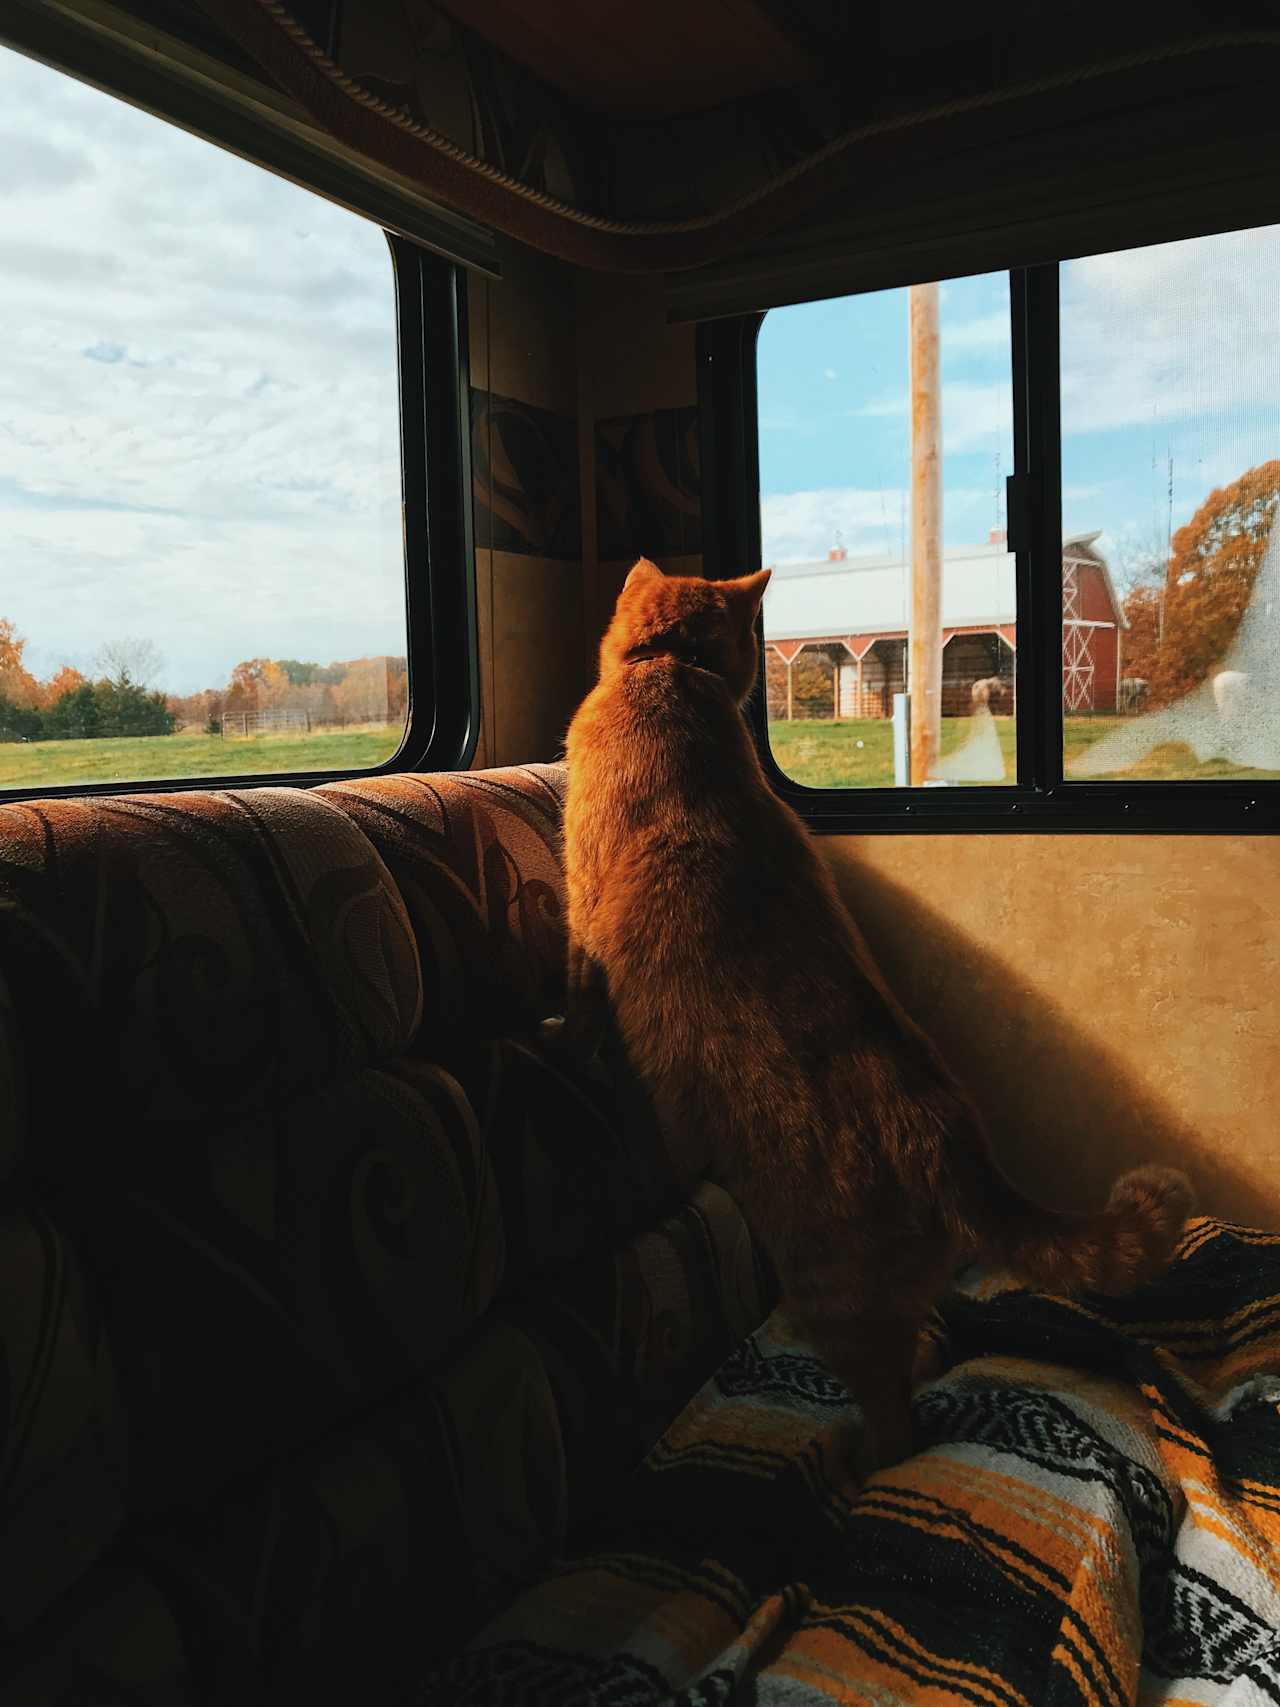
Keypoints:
pixel 872 595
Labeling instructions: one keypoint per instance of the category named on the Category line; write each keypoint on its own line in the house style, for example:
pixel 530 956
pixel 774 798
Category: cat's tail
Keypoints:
pixel 1113 1250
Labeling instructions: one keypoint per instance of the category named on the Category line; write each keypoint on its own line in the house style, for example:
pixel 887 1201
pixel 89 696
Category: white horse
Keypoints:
pixel 1230 692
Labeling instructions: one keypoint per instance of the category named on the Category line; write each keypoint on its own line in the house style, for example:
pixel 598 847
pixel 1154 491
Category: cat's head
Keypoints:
pixel 709 624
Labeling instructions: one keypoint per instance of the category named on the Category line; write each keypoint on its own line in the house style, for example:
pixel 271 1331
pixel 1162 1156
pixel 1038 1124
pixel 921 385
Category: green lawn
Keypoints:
pixel 858 752
pixel 821 755
pixel 50 764
pixel 1171 762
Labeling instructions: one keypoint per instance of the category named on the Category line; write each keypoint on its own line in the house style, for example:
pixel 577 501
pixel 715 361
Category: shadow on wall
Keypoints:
pixel 1065 1113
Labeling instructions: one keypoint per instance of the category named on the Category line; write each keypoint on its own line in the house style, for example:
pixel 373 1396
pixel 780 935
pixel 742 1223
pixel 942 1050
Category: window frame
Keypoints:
pixel 442 724
pixel 1041 799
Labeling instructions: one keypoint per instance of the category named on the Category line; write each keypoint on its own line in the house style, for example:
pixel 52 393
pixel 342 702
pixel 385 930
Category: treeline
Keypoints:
pixel 121 700
pixel 352 690
pixel 71 707
pixel 88 710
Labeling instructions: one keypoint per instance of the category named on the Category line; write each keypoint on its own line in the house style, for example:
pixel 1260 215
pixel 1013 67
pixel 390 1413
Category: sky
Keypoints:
pixel 1167 352
pixel 199 422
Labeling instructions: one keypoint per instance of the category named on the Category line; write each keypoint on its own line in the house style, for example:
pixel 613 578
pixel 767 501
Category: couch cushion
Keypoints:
pixel 275 1274
pixel 576 1156
pixel 629 1332
pixel 195 957
pixel 114 1641
pixel 477 857
pixel 62 1435
pixel 348 1568
pixel 343 1572
pixel 576 1150
pixel 13 1114
pixel 280 1221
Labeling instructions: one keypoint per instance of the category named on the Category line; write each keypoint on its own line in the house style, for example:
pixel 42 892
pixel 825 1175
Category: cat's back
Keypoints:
pixel 671 826
pixel 656 750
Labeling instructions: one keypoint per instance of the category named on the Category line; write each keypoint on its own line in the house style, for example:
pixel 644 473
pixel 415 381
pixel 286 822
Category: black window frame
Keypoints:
pixel 442 725
pixel 1041 799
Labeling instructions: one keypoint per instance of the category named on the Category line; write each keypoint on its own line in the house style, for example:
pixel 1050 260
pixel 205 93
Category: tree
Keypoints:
pixel 812 682
pixel 300 673
pixel 198 710
pixel 126 709
pixel 19 722
pixel 17 686
pixel 65 681
pixel 361 695
pixel 256 684
pixel 75 715
pixel 1141 640
pixel 130 660
pixel 1215 562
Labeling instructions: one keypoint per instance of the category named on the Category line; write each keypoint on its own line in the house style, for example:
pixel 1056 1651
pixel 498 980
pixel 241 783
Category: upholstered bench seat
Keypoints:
pixel 332 1306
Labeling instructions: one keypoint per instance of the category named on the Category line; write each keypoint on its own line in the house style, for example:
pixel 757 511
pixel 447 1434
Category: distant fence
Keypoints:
pixel 278 720
pixel 267 722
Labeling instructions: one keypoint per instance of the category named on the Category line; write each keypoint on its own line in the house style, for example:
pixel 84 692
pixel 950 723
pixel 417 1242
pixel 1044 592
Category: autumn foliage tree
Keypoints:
pixel 812 683
pixel 1141 607
pixel 1212 569
pixel 17 685
pixel 257 684
pixel 66 680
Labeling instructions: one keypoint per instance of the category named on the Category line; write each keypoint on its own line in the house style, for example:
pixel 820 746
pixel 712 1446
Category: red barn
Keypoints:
pixel 1092 620
pixel 853 613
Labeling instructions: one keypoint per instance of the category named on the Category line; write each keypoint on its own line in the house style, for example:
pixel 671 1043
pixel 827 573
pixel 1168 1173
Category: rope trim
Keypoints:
pixel 441 144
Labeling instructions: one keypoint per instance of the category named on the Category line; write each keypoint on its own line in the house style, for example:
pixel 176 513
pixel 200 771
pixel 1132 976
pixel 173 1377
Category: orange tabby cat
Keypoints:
pixel 749 1005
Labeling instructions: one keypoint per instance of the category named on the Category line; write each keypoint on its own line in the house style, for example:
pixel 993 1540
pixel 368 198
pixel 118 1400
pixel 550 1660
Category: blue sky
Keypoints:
pixel 1166 351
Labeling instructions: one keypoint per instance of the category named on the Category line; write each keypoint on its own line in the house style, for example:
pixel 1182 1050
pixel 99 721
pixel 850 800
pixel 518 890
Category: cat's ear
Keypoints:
pixel 750 590
pixel 643 570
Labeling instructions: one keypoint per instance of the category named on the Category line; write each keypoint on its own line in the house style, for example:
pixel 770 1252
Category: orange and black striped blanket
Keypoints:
pixel 1092 1515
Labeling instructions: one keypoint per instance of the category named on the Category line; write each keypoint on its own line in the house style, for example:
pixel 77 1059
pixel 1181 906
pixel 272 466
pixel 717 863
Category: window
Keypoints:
pixel 1106 625
pixel 201 499
pixel 836 525
pixel 1171 447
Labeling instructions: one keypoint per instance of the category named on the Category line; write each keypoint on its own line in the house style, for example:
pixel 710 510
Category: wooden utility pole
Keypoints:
pixel 925 680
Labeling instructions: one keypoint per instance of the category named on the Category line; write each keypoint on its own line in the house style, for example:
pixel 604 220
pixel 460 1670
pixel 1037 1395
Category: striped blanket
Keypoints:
pixel 1092 1515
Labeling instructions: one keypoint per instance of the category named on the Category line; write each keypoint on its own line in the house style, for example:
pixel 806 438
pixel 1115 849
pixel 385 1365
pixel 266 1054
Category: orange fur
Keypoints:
pixel 748 1003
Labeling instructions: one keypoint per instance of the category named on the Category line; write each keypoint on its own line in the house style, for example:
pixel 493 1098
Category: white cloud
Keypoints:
pixel 199 426
pixel 1174 332
pixel 829 373
pixel 978 417
pixel 802 526
pixel 974 416
pixel 798 527
pixel 892 406
pixel 986 332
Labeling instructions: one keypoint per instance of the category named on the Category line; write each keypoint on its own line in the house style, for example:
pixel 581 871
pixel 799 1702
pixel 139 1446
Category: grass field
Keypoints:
pixel 52 764
pixel 821 755
pixel 828 755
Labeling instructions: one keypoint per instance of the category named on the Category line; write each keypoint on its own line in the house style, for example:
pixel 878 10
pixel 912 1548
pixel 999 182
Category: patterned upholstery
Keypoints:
pixel 331 1304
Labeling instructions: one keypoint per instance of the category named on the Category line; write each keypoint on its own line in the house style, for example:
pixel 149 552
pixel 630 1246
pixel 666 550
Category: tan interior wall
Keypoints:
pixel 1109 999
pixel 525 463
pixel 637 375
